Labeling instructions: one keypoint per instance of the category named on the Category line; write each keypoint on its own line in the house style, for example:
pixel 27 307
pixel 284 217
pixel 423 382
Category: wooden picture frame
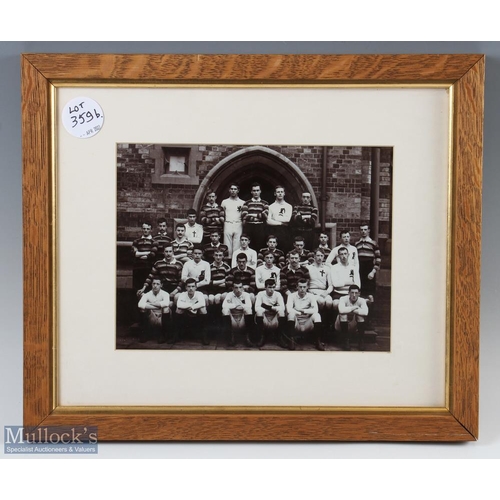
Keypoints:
pixel 456 421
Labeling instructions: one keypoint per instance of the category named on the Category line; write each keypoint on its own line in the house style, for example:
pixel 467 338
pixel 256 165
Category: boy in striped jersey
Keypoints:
pixel 304 217
pixel 244 274
pixel 305 255
pixel 212 218
pixel 254 215
pixel 181 244
pixel 291 274
pixel 237 312
pixel 217 290
pixel 272 246
pixel 369 262
pixel 214 245
pixel 144 251
pixel 169 271
pixel 219 271
pixel 161 238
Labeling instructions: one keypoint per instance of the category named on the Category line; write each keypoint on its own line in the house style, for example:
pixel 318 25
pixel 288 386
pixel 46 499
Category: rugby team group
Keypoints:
pixel 270 279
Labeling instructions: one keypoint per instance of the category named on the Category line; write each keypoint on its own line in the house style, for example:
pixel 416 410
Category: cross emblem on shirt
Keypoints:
pixel 322 273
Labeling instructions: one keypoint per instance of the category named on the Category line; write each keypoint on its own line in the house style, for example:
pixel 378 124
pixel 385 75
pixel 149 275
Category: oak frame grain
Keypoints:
pixel 458 421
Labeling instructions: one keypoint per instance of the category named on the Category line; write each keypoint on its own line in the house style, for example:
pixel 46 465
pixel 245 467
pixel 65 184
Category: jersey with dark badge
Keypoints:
pixel 280 213
pixel 263 273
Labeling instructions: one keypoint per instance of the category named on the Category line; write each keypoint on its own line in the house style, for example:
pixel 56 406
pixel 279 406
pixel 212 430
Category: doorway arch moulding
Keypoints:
pixel 273 166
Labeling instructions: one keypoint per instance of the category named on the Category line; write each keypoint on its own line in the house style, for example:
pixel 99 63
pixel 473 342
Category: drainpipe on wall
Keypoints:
pixel 375 194
pixel 323 197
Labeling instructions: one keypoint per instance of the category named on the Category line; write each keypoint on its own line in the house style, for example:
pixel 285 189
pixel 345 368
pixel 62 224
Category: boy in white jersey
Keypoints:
pixel 353 311
pixel 280 213
pixel 343 274
pixel 267 271
pixel 303 316
pixel 194 231
pixel 320 282
pixel 191 309
pixel 154 308
pixel 233 226
pixel 249 252
pixel 346 243
pixel 237 313
pixel 198 269
pixel 270 312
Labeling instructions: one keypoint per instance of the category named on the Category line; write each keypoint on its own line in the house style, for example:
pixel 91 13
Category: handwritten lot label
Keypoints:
pixel 82 117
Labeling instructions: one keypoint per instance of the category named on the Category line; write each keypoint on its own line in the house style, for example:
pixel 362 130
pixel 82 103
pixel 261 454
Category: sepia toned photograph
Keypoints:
pixel 234 247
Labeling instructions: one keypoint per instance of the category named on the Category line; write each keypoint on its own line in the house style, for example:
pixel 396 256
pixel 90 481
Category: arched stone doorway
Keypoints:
pixel 255 164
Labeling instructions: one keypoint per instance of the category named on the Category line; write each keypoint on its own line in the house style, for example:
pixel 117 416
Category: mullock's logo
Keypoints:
pixel 50 440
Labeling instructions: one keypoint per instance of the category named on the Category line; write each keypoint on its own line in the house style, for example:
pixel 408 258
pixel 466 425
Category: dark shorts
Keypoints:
pixel 368 287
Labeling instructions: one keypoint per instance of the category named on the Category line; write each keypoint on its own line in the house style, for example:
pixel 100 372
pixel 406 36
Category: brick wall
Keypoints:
pixel 348 184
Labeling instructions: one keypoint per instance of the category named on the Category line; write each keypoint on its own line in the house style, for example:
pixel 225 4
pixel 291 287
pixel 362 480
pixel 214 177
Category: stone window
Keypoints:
pixel 175 164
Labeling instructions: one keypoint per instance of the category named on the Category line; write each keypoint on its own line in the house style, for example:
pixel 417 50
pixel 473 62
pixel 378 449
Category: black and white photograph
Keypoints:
pixel 254 247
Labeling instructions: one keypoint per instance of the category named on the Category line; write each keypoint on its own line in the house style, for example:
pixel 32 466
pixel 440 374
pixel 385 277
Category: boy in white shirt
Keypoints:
pixel 346 243
pixel 320 281
pixel 233 225
pixel 343 274
pixel 280 213
pixel 353 311
pixel 191 308
pixel 303 315
pixel 237 313
pixel 194 231
pixel 198 269
pixel 267 271
pixel 249 252
pixel 154 310
pixel 270 312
